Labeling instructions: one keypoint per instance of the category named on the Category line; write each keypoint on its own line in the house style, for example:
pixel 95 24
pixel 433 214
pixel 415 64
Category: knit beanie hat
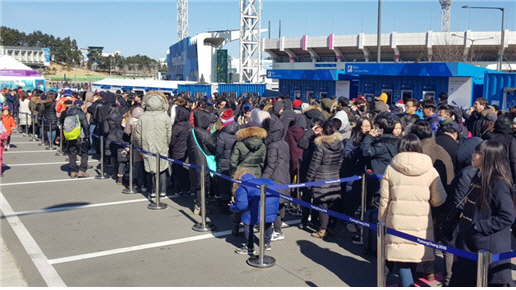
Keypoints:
pixel 226 116
pixel 258 115
pixel 296 103
pixel 383 97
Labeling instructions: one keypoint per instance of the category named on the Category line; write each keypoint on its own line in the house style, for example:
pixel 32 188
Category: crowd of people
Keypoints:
pixel 448 172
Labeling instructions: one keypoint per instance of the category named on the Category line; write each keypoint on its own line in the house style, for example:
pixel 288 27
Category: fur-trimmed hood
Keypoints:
pixel 251 132
pixel 328 139
pixel 312 107
pixel 488 110
pixel 155 101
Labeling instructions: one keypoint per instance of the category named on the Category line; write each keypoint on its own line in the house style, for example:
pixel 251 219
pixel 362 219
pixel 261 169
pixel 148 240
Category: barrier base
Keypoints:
pixel 59 153
pixel 24 135
pixel 102 177
pixel 209 227
pixel 40 143
pixel 50 148
pixel 156 206
pixel 268 261
pixel 34 140
pixel 129 191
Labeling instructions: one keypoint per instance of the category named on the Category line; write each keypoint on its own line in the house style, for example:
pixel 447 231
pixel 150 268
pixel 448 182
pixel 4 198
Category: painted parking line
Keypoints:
pixel 47 271
pixel 46 163
pixel 37 151
pixel 47 181
pixel 145 246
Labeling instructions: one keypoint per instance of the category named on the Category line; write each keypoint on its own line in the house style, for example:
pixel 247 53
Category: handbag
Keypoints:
pixel 210 159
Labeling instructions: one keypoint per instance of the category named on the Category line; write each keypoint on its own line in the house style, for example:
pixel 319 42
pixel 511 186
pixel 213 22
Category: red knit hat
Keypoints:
pixel 226 115
pixel 297 103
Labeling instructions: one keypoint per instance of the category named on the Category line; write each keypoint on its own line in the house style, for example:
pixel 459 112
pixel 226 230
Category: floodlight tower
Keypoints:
pixel 445 15
pixel 182 19
pixel 250 46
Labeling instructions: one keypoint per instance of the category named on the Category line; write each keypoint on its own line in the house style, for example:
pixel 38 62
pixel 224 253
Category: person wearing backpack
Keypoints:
pixel 77 133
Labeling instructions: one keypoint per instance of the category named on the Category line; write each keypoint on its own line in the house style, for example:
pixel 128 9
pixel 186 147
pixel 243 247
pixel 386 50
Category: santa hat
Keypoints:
pixel 297 103
pixel 226 116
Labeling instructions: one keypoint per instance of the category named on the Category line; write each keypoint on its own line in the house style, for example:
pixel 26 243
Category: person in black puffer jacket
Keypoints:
pixel 225 143
pixel 503 133
pixel 181 127
pixel 117 154
pixel 202 121
pixel 325 165
pixel 277 165
pixel 47 110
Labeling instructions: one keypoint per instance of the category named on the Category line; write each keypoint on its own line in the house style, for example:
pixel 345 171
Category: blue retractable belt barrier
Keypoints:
pixel 504 256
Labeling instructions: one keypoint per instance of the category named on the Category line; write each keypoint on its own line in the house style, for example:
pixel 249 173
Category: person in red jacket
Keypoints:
pixel 9 124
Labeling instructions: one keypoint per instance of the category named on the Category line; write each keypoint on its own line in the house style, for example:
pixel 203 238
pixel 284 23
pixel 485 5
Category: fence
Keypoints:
pixel 483 258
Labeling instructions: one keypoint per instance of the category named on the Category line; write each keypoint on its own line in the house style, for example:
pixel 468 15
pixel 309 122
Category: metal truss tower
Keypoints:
pixel 445 15
pixel 182 19
pixel 250 45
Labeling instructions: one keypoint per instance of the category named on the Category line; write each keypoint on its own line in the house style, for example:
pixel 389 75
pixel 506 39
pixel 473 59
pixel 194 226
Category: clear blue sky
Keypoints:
pixel 149 27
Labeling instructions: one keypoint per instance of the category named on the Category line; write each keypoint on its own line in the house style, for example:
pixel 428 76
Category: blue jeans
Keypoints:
pixel 48 134
pixel 407 271
pixel 93 141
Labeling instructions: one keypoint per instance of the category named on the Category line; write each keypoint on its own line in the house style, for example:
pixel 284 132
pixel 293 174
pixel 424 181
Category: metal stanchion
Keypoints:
pixel 381 279
pixel 26 125
pixel 130 190
pixel 484 259
pixel 61 141
pixel 50 141
pixel 261 261
pixel 362 209
pixel 102 175
pixel 42 132
pixel 18 128
pixel 157 204
pixel 34 136
pixel 203 226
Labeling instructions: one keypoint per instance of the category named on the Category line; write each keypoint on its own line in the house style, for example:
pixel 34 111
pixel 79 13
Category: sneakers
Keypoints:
pixel 277 237
pixel 197 210
pixel 119 180
pixel 268 247
pixel 83 174
pixel 153 195
pixel 321 234
pixel 163 194
pixel 92 152
pixel 73 174
pixel 144 189
pixel 302 226
pixel 245 251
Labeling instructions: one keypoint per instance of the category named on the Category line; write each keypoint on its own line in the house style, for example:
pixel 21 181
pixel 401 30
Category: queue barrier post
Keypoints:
pixel 61 141
pixel 157 205
pixel 26 132
pixel 360 242
pixel 380 257
pixel 130 190
pixel 203 226
pixel 34 136
pixel 42 132
pixel 18 128
pixel 261 261
pixel 102 175
pixel 484 259
pixel 50 141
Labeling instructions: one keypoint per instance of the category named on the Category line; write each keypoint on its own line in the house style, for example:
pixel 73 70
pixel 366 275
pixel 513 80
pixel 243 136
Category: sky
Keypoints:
pixel 149 27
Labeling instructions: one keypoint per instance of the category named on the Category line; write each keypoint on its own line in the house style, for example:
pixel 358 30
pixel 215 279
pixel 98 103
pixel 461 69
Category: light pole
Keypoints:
pixel 500 53
pixel 471 39
pixel 379 33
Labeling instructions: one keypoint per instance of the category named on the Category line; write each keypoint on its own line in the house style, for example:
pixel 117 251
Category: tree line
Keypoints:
pixel 65 51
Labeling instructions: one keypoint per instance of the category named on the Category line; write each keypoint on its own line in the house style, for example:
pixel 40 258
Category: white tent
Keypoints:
pixel 15 74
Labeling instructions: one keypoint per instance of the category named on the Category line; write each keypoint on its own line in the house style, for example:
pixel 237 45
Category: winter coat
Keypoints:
pixel 313 113
pixel 475 121
pixel 249 151
pixel 113 128
pixel 180 131
pixel 409 188
pixel 434 122
pixel 328 107
pixel 9 123
pixel 344 129
pixel 465 150
pixel 277 162
pixel 440 159
pixel 130 128
pixel 294 134
pixel 288 117
pixel 154 131
pixel 379 106
pixel 485 229
pixel 450 145
pixel 248 200
pixel 325 165
pixel 24 108
pixel 202 121
pixel 47 111
pixel 379 151
pixel 307 144
pixel 88 101
pixel 505 137
pixel 225 142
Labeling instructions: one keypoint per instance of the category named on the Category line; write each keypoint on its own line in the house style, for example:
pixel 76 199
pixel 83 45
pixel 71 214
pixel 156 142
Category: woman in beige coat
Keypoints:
pixel 409 188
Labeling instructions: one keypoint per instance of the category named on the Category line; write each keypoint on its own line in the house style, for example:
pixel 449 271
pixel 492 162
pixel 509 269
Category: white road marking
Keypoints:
pixel 47 271
pixel 37 151
pixel 46 181
pixel 47 163
pixel 145 246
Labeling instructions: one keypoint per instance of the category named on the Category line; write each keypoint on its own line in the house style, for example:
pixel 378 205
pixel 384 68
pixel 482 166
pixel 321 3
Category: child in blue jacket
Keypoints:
pixel 248 200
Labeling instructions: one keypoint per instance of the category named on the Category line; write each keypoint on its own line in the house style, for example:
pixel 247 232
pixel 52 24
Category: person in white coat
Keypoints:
pixel 410 187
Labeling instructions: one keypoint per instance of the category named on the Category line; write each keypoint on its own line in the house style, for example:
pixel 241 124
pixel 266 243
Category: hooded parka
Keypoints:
pixel 154 130
pixel 277 163
pixel 409 188
pixel 249 151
